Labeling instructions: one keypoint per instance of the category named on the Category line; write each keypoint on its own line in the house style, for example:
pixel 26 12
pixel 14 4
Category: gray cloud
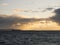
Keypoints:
pixel 56 17
pixel 32 11
pixel 47 9
pixel 7 21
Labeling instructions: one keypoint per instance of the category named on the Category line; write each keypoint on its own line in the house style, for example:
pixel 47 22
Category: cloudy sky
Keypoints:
pixel 24 13
pixel 30 8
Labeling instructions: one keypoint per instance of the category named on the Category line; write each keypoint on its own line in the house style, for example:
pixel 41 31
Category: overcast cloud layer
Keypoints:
pixel 7 21
pixel 14 21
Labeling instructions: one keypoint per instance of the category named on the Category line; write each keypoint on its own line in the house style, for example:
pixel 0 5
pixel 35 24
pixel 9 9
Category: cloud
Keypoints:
pixel 32 11
pixel 7 21
pixel 5 4
pixel 40 25
pixel 17 10
pixel 24 10
pixel 56 17
pixel 1 10
pixel 15 21
pixel 20 10
pixel 47 9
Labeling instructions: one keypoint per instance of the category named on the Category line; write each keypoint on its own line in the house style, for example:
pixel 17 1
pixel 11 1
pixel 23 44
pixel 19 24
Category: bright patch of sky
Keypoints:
pixel 29 7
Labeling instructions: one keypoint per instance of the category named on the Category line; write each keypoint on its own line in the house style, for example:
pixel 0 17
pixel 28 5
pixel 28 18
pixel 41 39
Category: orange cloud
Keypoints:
pixel 37 25
pixel 17 10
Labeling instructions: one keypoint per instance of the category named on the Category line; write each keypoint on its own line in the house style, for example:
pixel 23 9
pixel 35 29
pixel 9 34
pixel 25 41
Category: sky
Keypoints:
pixel 30 14
pixel 30 8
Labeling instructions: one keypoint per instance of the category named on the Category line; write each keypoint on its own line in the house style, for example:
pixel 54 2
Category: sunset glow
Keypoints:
pixel 30 14
pixel 39 25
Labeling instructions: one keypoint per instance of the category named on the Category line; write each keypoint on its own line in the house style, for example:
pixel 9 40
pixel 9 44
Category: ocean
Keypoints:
pixel 18 37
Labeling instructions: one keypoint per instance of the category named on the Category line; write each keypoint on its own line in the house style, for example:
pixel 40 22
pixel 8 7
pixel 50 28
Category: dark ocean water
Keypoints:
pixel 29 37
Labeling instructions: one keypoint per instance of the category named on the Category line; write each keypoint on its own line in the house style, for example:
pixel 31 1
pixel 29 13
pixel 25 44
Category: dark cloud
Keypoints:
pixel 56 17
pixel 47 9
pixel 7 21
